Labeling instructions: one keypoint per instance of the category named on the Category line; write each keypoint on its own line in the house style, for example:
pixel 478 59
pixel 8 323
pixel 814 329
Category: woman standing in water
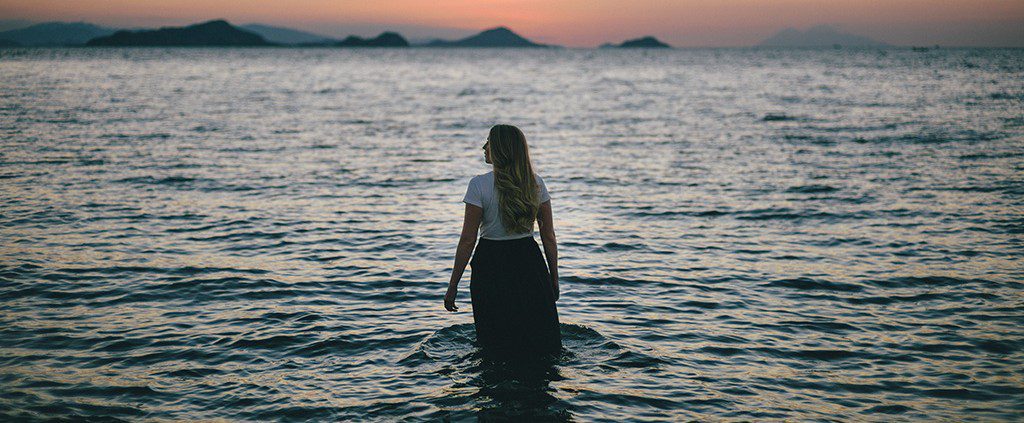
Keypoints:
pixel 513 292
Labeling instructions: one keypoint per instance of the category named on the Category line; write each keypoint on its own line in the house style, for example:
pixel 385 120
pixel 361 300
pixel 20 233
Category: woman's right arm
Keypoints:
pixel 547 236
pixel 470 228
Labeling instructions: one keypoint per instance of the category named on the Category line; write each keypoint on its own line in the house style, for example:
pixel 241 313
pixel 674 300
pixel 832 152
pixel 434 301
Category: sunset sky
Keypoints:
pixel 573 23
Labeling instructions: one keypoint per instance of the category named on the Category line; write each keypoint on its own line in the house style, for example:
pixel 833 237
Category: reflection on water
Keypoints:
pixel 518 387
pixel 266 234
pixel 507 387
pixel 519 391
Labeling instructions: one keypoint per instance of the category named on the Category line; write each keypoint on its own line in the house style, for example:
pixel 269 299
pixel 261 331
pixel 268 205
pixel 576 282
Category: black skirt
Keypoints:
pixel 513 304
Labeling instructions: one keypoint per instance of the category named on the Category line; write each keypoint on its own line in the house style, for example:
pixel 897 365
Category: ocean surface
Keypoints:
pixel 744 234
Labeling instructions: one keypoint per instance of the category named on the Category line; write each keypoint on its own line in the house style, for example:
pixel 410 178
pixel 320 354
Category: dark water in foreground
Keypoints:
pixel 268 234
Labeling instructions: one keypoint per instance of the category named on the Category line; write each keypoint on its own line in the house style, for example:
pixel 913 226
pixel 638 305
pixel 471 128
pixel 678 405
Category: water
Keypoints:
pixel 744 234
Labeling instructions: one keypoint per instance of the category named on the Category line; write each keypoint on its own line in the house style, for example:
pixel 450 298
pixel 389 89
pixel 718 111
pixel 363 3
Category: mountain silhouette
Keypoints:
pixel 385 39
pixel 819 36
pixel 494 37
pixel 644 42
pixel 55 34
pixel 282 35
pixel 212 33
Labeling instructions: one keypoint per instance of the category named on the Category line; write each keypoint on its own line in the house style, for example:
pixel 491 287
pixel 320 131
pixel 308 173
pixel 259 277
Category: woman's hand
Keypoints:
pixel 449 300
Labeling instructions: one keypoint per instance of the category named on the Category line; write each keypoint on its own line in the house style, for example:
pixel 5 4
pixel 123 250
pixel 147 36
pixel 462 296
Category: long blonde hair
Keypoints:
pixel 513 178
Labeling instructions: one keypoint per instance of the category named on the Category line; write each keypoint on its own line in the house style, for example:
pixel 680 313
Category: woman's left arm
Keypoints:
pixel 470 228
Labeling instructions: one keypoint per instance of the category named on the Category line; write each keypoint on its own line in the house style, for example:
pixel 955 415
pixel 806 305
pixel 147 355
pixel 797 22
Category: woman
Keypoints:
pixel 512 291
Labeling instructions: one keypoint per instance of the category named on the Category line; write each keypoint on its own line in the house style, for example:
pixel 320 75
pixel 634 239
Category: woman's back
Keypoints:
pixel 482 193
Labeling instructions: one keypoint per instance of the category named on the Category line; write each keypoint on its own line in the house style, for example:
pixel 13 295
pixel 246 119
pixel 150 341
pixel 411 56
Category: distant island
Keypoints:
pixel 386 39
pixel 54 34
pixel 287 36
pixel 494 37
pixel 212 33
pixel 819 36
pixel 643 42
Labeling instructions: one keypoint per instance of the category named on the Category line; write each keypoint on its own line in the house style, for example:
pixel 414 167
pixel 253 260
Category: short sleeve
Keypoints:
pixel 544 196
pixel 473 194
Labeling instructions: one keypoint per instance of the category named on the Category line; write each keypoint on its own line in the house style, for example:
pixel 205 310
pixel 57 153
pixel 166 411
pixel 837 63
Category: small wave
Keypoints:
pixel 332 346
pixel 178 271
pixel 165 181
pixel 1003 347
pixel 927 281
pixel 241 236
pixel 1002 95
pixel 193 373
pixel 149 136
pixel 887 409
pixel 292 317
pixel 817 326
pixel 890 299
pixel 331 90
pixel 275 342
pixel 615 246
pixel 1009 188
pixel 811 189
pixel 707 305
pixel 813 354
pixel 778 117
pixel 204 128
pixel 959 394
pixel 211 285
pixel 721 351
pixel 933 137
pixel 131 392
pixel 808 284
pixel 785 214
pixel 702 213
pixel 780 213
pixel 991 155
pixel 220 225
pixel 614 281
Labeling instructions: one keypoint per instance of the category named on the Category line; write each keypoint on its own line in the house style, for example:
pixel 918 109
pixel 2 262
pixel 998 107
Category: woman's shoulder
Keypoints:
pixel 482 176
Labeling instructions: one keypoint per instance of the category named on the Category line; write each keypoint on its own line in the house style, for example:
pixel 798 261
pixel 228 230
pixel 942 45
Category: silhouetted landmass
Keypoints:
pixel 9 24
pixel 644 42
pixel 385 39
pixel 212 33
pixel 282 35
pixel 56 34
pixel 495 37
pixel 819 36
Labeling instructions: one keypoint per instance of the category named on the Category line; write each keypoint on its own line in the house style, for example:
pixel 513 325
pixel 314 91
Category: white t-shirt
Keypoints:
pixel 481 193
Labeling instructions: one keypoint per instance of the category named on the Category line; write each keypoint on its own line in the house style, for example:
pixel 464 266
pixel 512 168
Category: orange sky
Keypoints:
pixel 574 23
